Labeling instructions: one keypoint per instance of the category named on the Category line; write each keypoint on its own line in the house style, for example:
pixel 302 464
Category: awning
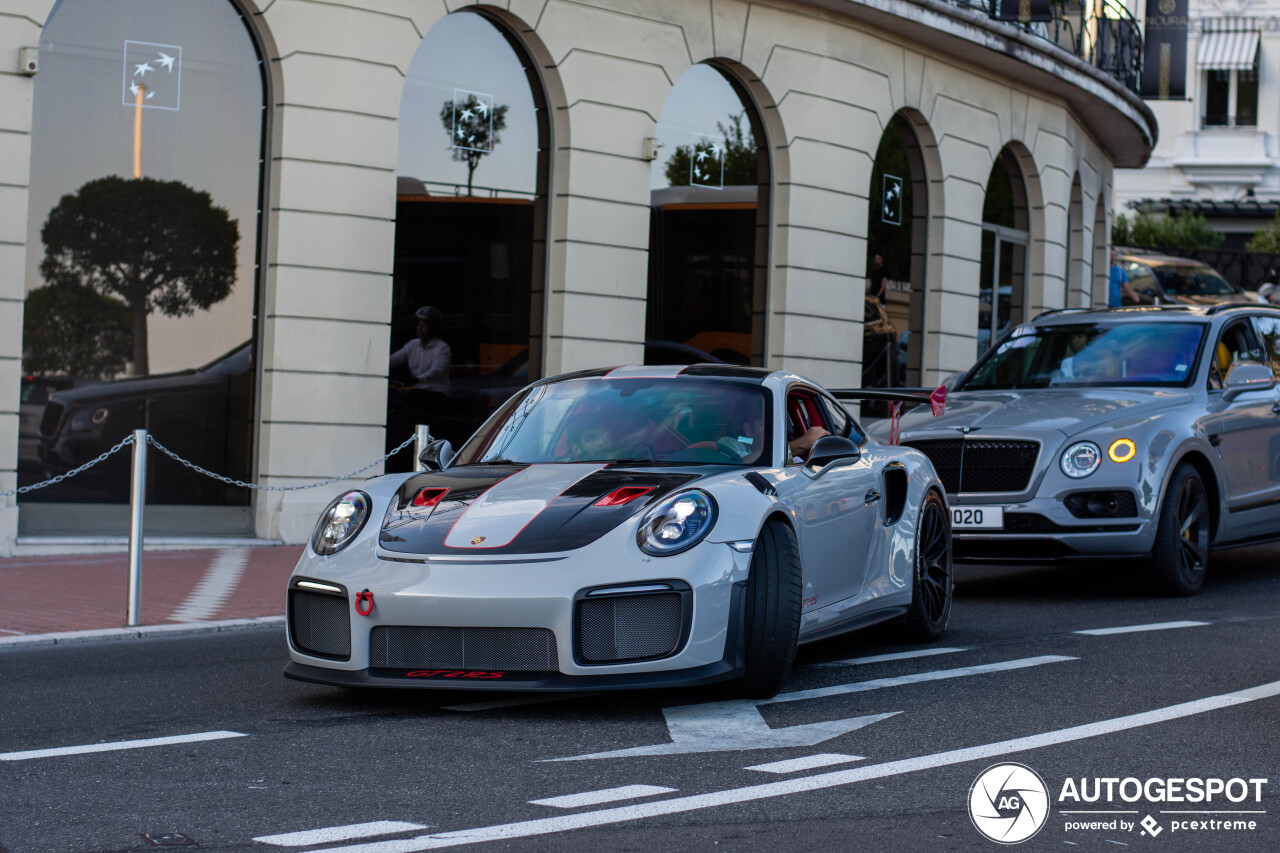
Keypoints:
pixel 1228 51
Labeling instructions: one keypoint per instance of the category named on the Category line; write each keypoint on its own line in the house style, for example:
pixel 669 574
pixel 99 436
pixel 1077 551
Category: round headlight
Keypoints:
pixel 676 524
pixel 80 420
pixel 340 523
pixel 1122 450
pixel 1081 459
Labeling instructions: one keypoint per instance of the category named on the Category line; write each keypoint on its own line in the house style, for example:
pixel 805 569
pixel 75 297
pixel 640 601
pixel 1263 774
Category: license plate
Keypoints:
pixel 977 517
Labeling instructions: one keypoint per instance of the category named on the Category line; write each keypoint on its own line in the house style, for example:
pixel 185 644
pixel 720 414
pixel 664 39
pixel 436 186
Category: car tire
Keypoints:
pixel 771 611
pixel 932 573
pixel 1181 551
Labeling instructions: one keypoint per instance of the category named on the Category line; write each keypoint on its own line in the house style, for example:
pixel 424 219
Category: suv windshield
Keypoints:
pixel 675 421
pixel 1091 354
pixel 1193 281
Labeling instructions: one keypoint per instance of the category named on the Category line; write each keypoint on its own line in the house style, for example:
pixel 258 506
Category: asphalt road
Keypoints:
pixel 1012 681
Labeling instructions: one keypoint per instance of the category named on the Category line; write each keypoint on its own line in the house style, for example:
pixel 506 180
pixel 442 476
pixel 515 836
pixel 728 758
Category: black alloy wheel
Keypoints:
pixel 933 577
pixel 1181 551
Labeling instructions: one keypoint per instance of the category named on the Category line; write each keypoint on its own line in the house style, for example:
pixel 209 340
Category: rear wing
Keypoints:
pixel 936 398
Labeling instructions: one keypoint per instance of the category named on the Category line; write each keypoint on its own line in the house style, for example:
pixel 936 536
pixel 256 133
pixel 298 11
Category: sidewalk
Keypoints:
pixel 83 592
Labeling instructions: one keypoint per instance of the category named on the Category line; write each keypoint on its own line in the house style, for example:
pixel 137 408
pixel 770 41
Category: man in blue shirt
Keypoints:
pixel 1120 293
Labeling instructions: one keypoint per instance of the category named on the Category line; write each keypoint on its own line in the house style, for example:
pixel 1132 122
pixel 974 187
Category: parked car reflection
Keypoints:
pixel 203 414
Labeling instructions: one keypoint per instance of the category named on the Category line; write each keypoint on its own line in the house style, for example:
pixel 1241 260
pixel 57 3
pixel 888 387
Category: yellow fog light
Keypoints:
pixel 1121 450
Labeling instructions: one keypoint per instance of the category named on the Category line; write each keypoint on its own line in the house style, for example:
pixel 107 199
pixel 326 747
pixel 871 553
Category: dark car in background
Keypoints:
pixel 1169 280
pixel 203 414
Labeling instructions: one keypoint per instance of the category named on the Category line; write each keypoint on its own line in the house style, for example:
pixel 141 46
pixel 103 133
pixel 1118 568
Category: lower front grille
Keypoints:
pixel 980 464
pixel 494 649
pixel 320 624
pixel 620 628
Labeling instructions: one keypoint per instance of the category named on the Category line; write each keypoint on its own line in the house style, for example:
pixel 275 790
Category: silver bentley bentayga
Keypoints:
pixel 1138 432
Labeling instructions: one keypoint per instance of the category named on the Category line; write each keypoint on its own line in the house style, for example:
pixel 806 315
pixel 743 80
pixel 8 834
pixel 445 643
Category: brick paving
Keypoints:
pixel 48 594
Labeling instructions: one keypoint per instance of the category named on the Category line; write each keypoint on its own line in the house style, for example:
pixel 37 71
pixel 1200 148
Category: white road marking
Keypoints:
pixel 737 724
pixel 215 588
pixel 338 833
pixel 677 805
pixel 918 653
pixel 116 745
pixel 1133 629
pixel 914 678
pixel 608 795
pixel 809 762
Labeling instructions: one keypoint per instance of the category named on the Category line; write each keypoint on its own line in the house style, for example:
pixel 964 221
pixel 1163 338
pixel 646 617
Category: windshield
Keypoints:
pixel 1193 281
pixel 663 421
pixel 1091 354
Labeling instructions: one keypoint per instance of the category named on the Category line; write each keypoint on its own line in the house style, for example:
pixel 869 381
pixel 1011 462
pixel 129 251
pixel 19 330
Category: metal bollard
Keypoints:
pixel 421 438
pixel 137 499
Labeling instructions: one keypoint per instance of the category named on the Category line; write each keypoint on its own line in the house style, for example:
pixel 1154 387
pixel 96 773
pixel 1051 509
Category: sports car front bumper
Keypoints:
pixel 585 620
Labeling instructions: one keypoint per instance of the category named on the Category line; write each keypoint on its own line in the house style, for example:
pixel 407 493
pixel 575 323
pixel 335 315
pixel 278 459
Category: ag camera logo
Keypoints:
pixel 1008 803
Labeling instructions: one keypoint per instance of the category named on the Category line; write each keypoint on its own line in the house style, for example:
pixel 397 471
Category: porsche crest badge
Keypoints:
pixel 476 540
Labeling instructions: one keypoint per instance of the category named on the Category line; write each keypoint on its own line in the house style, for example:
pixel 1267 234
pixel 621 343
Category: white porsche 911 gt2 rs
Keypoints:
pixel 625 528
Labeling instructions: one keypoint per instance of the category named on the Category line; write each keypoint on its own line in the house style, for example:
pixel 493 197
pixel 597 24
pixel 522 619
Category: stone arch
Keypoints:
pixel 1101 245
pixel 1077 272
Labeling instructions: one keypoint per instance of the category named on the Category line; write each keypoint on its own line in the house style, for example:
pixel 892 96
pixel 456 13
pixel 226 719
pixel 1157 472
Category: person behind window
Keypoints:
pixel 1120 292
pixel 427 357
pixel 876 279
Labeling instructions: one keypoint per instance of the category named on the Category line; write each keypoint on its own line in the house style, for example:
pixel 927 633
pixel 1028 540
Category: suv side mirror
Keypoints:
pixel 437 455
pixel 829 450
pixel 1247 376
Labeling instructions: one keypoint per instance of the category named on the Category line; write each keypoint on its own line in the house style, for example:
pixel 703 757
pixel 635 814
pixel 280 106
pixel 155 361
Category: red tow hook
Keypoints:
pixel 364 597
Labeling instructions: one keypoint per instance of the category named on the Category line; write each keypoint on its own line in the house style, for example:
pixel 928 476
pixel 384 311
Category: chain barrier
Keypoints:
pixel 22 490
pixel 127 440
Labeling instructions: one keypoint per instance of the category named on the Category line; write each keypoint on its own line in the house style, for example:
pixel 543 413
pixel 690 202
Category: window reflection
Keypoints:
pixel 145 179
pixel 469 194
pixel 706 244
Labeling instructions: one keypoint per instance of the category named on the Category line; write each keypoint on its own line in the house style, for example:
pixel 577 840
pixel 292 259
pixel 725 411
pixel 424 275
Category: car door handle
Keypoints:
pixel 871 496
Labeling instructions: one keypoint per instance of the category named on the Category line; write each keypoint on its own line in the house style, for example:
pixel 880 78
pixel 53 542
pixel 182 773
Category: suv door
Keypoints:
pixel 836 512
pixel 1248 436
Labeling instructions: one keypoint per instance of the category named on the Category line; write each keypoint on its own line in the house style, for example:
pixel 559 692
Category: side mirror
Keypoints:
pixel 830 449
pixel 1247 376
pixel 437 455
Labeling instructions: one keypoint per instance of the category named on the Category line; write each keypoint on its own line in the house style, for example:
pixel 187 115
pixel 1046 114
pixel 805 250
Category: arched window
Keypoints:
pixel 897 225
pixel 143 235
pixel 708 243
pixel 1005 242
pixel 471 201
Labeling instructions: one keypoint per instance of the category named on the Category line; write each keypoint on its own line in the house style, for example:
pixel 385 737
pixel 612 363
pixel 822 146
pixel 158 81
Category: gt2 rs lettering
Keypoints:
pixel 451 673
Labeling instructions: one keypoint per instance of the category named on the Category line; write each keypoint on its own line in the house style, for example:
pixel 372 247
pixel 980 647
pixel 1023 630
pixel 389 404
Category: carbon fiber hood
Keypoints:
pixel 518 509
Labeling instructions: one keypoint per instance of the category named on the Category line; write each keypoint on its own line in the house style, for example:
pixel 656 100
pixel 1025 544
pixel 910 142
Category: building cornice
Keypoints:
pixel 1119 120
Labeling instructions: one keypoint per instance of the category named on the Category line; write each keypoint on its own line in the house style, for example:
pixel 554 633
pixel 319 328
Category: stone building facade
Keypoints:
pixel 822 81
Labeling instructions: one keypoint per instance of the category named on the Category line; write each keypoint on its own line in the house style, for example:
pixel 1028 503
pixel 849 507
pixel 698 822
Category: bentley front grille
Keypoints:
pixel 320 624
pixel 493 649
pixel 980 464
pixel 618 628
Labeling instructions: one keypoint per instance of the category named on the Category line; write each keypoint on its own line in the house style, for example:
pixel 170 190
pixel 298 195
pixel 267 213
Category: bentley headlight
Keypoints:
pixel 340 523
pixel 676 524
pixel 1081 459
